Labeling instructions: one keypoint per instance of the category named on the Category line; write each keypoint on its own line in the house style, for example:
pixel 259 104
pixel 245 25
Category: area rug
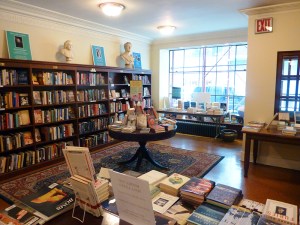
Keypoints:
pixel 185 162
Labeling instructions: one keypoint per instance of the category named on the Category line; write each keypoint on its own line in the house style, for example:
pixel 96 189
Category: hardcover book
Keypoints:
pixel 252 205
pixel 281 212
pixel 153 177
pixel 50 200
pixel 23 99
pixel 163 201
pixel 37 98
pixel 173 183
pixel 207 214
pixel 24 118
pixel 224 196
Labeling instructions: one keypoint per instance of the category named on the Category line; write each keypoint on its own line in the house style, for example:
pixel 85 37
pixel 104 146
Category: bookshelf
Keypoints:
pixel 47 105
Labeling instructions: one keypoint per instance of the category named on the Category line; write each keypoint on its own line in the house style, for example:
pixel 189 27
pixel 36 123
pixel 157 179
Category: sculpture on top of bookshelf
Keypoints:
pixel 127 55
pixel 67 51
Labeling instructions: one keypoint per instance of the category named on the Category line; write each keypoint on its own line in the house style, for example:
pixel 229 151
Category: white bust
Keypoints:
pixel 67 51
pixel 127 56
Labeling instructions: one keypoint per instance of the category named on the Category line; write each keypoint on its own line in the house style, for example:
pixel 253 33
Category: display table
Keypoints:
pixel 142 139
pixel 271 135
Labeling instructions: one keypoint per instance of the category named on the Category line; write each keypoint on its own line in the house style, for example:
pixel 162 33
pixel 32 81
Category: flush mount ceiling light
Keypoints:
pixel 111 8
pixel 166 30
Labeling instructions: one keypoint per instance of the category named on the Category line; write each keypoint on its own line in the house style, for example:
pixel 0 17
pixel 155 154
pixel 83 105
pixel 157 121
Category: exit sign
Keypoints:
pixel 264 25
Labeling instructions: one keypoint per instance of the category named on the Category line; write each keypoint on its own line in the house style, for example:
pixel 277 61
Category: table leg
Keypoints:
pixel 255 150
pixel 143 152
pixel 247 155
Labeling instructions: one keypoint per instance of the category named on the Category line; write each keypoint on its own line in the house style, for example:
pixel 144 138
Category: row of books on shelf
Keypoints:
pixel 13 99
pixel 143 78
pixel 56 132
pixel 91 110
pixel 91 95
pixel 113 94
pixel 14 119
pixel 14 141
pixel 53 97
pixel 20 160
pixel 119 106
pixel 94 140
pixel 11 77
pixel 53 115
pixel 93 125
pixel 91 79
pixel 52 78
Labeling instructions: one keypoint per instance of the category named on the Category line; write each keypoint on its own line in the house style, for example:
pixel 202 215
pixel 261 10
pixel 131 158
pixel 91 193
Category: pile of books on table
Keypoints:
pixel 254 126
pixel 195 190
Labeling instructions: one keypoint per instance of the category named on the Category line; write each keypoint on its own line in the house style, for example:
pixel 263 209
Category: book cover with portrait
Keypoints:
pixel 98 55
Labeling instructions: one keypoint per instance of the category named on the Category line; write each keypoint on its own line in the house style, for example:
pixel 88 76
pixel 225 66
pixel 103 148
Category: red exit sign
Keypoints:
pixel 264 25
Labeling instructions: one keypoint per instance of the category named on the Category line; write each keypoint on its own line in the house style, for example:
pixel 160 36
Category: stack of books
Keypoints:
pixel 195 190
pixel 128 129
pixel 289 131
pixel 157 128
pixel 279 213
pixel 253 126
pixel 172 184
pixel 224 196
pixel 153 177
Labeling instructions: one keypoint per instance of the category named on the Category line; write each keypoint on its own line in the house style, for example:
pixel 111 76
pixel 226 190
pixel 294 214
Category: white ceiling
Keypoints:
pixel 142 17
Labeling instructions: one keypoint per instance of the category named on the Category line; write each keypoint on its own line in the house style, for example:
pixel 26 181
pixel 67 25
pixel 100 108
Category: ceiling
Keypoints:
pixel 142 17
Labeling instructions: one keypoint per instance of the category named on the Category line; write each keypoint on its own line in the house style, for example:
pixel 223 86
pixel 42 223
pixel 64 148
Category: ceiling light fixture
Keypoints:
pixel 166 30
pixel 112 8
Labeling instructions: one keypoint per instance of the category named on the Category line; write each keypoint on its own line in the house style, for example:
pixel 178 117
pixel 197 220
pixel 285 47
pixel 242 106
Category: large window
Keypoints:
pixel 217 70
pixel 287 97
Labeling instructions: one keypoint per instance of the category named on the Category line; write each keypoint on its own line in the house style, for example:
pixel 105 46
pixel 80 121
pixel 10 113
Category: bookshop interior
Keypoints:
pixel 107 119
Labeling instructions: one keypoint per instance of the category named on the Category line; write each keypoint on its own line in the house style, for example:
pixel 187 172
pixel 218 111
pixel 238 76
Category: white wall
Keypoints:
pixel 49 30
pixel 261 78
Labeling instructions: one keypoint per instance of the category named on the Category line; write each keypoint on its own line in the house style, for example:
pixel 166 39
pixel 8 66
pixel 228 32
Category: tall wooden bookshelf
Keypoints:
pixel 46 105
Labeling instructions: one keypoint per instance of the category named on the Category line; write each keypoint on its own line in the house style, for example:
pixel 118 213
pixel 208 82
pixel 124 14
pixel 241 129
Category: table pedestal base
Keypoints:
pixel 143 152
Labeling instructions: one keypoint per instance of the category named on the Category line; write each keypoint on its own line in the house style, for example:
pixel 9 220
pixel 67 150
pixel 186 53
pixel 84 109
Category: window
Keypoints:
pixel 217 70
pixel 287 96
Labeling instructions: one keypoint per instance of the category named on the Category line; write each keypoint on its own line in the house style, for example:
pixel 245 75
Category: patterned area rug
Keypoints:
pixel 188 163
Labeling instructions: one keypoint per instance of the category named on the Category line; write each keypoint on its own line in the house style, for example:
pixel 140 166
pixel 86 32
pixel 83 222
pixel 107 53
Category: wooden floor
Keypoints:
pixel 262 182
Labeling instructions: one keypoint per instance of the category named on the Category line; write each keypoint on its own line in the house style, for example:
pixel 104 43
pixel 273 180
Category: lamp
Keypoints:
pixel 166 30
pixel 111 8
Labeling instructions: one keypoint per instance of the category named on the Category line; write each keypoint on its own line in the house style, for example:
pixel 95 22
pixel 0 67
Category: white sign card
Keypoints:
pixel 133 199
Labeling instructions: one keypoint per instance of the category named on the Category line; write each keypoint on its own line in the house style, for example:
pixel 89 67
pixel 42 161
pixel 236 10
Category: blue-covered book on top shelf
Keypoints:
pixel 98 55
pixel 137 60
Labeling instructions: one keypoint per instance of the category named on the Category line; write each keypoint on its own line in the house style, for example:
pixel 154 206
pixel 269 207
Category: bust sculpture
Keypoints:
pixel 67 50
pixel 127 55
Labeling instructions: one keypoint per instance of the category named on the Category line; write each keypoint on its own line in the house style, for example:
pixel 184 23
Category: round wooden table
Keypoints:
pixel 142 139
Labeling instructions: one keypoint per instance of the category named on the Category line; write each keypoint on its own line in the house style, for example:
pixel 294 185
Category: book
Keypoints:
pixel 37 135
pixel 16 214
pixel 50 200
pixel 265 221
pixel 163 201
pixel 153 177
pixel 38 116
pixel 252 205
pixel 79 162
pixel 98 55
pixel 137 63
pixel 237 215
pixel 251 129
pixel 207 214
pixel 23 99
pixel 24 118
pixel 195 190
pixel 173 183
pixel 224 195
pixel 37 98
pixel 281 212
pixel 28 140
pixel 18 45
pixel 179 213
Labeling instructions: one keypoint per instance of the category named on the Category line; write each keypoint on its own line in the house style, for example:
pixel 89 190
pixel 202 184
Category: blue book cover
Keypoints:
pixel 207 214
pixel 137 60
pixel 98 55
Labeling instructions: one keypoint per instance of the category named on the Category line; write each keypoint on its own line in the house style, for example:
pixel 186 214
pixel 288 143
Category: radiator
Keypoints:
pixel 198 128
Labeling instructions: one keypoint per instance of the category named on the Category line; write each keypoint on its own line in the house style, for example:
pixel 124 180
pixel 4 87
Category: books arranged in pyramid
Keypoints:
pixel 195 190
pixel 172 184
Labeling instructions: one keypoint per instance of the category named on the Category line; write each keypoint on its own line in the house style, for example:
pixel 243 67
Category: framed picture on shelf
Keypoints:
pixel 98 55
pixel 137 60
pixel 18 45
